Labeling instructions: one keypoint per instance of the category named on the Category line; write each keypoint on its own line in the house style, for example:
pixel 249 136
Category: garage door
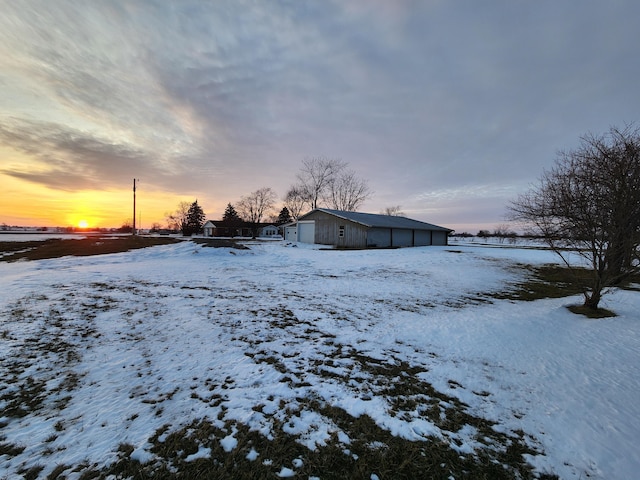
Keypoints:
pixel 307 231
pixel 290 234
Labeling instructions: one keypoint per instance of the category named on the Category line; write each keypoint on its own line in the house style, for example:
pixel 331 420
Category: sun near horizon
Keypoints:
pixel 26 204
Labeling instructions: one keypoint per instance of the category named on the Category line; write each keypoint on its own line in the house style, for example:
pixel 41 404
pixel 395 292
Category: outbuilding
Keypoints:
pixel 367 230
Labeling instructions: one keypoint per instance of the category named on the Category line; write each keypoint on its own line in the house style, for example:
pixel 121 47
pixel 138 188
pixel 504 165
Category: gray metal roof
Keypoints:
pixel 380 221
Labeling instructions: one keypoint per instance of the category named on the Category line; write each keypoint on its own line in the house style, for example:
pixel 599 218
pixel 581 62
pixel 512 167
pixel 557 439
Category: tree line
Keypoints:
pixel 321 182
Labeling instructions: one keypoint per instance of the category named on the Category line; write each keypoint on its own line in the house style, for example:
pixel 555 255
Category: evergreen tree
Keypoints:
pixel 230 215
pixel 231 220
pixel 284 216
pixel 194 221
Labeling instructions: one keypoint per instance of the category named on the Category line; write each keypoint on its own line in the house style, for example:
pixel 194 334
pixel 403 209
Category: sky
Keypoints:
pixel 449 109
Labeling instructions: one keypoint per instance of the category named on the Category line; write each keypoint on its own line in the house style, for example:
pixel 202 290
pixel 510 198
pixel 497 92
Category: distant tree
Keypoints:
pixel 588 205
pixel 348 192
pixel 295 201
pixel 484 233
pixel 195 220
pixel 178 218
pixel 255 206
pixel 155 227
pixel 395 211
pixel 126 226
pixel 284 216
pixel 325 181
pixel 503 232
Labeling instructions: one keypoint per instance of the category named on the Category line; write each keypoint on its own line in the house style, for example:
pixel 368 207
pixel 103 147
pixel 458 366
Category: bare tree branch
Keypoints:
pixel 255 206
pixel 315 178
pixel 394 211
pixel 348 192
pixel 295 201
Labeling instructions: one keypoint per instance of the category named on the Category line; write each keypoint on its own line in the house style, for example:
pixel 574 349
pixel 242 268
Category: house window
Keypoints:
pixel 341 231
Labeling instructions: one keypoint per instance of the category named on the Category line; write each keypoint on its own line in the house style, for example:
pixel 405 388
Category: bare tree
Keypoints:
pixel 348 192
pixel 178 218
pixel 395 211
pixel 503 231
pixel 295 201
pixel 589 205
pixel 315 178
pixel 325 181
pixel 255 206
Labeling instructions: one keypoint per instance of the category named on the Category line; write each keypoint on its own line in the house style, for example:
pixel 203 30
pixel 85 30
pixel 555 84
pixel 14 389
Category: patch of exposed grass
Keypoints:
pixel 220 243
pixel 11 450
pixel 55 247
pixel 57 473
pixel 51 345
pixel 590 312
pixel 547 281
pixel 370 450
pixel 31 473
pixel 409 398
pixel 554 281
pixel 28 397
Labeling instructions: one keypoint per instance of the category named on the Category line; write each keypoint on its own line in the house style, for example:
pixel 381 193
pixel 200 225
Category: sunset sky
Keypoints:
pixel 448 108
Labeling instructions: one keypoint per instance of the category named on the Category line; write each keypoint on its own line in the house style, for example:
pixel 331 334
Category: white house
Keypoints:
pixel 269 231
pixel 208 228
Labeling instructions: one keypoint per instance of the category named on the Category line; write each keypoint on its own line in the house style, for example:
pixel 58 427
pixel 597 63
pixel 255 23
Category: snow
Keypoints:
pixel 156 332
pixel 229 443
pixel 252 455
pixel 202 452
pixel 286 473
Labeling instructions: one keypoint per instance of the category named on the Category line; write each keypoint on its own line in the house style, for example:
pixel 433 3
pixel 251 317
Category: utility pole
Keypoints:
pixel 133 231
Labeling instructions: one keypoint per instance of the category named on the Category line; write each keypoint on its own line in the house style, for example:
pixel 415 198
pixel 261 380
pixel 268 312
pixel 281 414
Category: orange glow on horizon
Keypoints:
pixel 27 204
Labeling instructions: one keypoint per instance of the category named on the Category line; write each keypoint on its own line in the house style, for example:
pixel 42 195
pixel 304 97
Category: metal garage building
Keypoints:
pixel 361 230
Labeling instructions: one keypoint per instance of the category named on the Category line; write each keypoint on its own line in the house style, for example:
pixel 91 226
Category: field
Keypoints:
pixel 277 361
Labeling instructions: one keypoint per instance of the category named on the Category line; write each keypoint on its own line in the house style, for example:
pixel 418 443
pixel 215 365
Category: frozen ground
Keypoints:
pixel 109 349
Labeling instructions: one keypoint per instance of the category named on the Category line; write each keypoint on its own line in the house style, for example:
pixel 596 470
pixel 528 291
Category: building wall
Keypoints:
pixel 439 238
pixel 401 237
pixel 379 237
pixel 386 237
pixel 422 238
pixel 327 231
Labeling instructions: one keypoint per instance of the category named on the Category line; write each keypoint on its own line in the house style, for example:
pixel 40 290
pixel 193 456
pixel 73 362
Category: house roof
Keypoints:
pixel 373 220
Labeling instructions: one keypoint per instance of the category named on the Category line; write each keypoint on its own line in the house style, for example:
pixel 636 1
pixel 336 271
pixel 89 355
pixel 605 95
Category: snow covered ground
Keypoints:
pixel 111 348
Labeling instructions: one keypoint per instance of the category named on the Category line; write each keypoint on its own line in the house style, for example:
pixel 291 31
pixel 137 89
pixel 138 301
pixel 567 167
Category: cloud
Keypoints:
pixel 68 159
